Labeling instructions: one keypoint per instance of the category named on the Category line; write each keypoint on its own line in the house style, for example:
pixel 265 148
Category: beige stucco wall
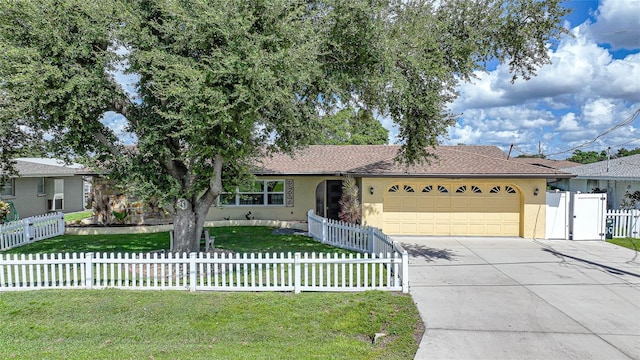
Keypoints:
pixel 304 199
pixel 533 208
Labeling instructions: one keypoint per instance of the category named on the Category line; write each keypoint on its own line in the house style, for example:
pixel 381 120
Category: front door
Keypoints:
pixel 334 193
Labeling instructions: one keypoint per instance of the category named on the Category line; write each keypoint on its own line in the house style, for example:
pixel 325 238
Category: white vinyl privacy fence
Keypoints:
pixel 28 230
pixel 585 217
pixel 199 271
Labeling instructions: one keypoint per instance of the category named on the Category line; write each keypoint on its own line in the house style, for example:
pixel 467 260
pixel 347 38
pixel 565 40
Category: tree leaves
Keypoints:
pixel 223 83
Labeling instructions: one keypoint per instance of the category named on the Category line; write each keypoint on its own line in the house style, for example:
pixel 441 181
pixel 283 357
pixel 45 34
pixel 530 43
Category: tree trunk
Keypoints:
pixel 189 217
pixel 187 228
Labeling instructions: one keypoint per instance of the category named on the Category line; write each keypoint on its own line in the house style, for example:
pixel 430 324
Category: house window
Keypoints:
pixel 495 190
pixel 394 188
pixel 267 192
pixel 462 189
pixel 8 189
pixel 475 189
pixel 442 189
pixel 427 189
pixel 408 188
pixel 41 189
pixel 509 190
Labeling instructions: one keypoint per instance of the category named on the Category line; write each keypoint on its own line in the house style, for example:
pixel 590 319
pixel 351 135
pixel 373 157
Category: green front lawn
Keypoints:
pixel 123 324
pixel 237 238
pixel 115 324
pixel 631 243
pixel 75 216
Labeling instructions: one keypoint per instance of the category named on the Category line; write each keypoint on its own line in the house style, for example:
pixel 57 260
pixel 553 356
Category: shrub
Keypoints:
pixel 349 203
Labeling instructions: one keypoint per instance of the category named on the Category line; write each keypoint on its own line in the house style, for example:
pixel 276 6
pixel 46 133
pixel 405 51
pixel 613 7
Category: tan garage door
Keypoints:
pixel 452 209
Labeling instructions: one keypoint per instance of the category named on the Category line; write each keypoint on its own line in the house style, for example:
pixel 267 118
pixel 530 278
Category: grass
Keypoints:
pixel 123 324
pixel 631 243
pixel 77 215
pixel 237 238
pixel 109 324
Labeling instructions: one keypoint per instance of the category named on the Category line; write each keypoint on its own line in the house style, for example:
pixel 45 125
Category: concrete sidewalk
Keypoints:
pixel 513 298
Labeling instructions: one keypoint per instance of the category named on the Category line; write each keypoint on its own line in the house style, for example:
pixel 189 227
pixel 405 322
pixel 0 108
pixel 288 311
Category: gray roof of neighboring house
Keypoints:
pixel 623 168
pixel 41 167
pixel 378 160
pixel 550 163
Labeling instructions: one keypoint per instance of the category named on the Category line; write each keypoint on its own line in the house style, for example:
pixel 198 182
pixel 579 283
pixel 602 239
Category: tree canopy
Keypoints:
pixel 588 157
pixel 351 127
pixel 224 83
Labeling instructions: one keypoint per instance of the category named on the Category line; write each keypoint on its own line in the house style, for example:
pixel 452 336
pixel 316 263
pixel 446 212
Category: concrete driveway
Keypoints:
pixel 513 298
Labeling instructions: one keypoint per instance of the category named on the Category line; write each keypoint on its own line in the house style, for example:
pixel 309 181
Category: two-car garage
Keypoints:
pixel 452 208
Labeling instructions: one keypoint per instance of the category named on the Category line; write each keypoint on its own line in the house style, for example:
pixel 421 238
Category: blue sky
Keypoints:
pixel 592 85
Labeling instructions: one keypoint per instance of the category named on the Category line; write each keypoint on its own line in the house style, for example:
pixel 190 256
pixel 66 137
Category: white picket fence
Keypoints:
pixel 203 271
pixel 28 230
pixel 364 239
pixel 625 223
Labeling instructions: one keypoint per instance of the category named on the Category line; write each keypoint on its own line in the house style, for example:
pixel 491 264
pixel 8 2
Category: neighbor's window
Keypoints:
pixel 41 186
pixel 8 188
pixel 267 192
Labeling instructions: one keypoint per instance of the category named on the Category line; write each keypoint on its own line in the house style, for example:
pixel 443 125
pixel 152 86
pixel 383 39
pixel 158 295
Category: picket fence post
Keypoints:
pixel 296 273
pixel 61 224
pixel 371 239
pixel 405 272
pixel 324 230
pixel 88 265
pixel 192 271
pixel 27 231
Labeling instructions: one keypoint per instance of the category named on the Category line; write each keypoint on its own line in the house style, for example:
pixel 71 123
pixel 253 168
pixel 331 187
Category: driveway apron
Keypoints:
pixel 514 298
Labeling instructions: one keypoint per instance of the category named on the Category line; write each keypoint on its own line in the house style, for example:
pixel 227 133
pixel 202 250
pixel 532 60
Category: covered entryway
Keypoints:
pixel 328 194
pixel 441 208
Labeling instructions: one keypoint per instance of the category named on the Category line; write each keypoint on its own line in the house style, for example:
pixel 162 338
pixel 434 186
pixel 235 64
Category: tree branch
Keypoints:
pixel 108 144
pixel 215 185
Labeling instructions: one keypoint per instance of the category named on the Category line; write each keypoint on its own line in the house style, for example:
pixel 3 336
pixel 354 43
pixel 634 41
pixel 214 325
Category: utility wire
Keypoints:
pixel 625 122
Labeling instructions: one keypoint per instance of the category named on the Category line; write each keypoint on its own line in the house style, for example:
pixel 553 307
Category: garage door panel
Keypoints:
pixel 452 213
pixel 426 216
pixel 410 203
pixel 442 203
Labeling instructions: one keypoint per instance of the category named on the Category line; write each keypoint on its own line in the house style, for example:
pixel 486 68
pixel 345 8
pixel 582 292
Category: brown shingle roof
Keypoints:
pixel 378 160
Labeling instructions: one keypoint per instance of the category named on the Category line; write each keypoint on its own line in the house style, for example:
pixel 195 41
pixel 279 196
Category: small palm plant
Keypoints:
pixel 350 210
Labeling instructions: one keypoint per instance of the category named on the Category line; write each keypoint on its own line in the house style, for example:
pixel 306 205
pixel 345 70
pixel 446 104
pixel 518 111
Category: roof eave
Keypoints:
pixel 442 175
pixel 608 177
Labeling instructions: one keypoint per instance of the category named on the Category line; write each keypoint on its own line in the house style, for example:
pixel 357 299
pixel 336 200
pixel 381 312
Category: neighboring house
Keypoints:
pixel 464 190
pixel 616 176
pixel 44 185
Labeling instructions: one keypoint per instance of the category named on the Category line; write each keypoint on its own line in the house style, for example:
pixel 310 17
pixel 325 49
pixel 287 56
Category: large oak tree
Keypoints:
pixel 224 82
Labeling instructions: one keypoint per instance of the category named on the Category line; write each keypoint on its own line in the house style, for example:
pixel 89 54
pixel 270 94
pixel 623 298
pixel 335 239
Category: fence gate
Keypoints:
pixel 557 221
pixel 588 216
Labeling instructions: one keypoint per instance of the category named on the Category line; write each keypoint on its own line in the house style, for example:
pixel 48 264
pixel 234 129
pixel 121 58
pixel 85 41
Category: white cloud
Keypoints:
pixel 569 123
pixel 583 93
pixel 118 124
pixel 598 112
pixel 620 79
pixel 464 135
pixel 618 24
